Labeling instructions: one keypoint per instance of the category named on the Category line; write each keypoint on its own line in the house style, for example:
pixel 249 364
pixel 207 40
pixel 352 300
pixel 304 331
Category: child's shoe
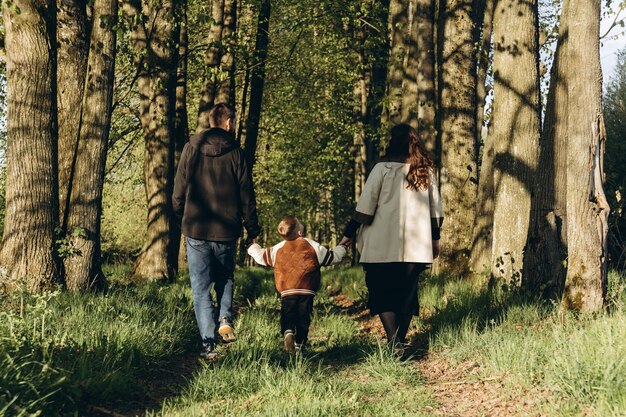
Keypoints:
pixel 290 341
pixel 300 349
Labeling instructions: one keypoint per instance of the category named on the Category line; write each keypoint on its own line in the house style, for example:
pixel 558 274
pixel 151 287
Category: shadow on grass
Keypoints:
pixel 451 303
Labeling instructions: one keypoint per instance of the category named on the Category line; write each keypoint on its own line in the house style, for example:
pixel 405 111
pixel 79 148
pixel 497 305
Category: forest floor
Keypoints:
pixel 475 352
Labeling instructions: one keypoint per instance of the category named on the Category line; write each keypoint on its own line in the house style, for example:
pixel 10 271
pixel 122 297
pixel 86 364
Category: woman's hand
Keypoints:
pixel 436 249
pixel 345 241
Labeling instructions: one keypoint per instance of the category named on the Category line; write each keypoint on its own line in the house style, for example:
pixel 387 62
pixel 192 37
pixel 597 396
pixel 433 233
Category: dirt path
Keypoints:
pixel 158 384
pixel 461 390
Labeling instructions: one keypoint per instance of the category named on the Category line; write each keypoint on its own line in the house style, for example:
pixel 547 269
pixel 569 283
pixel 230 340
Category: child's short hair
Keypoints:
pixel 288 227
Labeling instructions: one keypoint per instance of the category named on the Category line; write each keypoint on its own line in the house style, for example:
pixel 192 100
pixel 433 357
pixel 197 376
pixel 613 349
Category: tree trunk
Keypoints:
pixel 516 132
pixel 410 103
pixel 242 115
pixel 361 91
pixel 257 82
pixel 546 251
pixel 157 91
pixel 482 239
pixel 225 91
pixel 484 59
pixel 426 88
pixel 181 123
pixel 73 48
pixel 82 267
pixel 32 206
pixel 219 63
pixel 480 259
pixel 587 208
pixel 399 28
pixel 457 110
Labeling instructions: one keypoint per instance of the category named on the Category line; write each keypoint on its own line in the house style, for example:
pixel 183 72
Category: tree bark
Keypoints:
pixel 82 268
pixel 225 90
pixel 587 208
pixel 546 251
pixel 484 59
pixel 410 103
pixel 220 62
pixel 72 51
pixel 480 258
pixel 157 91
pixel 257 82
pixel 398 28
pixel 361 91
pixel 181 123
pixel 516 132
pixel 32 200
pixel 457 108
pixel 426 86
pixel 212 61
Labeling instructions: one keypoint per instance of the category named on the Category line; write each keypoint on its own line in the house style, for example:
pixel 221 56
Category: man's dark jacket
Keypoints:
pixel 213 189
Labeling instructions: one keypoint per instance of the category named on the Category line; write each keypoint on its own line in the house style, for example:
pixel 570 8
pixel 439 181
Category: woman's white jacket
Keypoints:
pixel 399 224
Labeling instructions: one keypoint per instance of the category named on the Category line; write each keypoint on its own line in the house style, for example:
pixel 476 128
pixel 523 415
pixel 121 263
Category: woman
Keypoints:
pixel 399 215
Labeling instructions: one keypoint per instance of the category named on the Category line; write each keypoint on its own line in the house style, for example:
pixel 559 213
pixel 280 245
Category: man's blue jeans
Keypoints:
pixel 211 266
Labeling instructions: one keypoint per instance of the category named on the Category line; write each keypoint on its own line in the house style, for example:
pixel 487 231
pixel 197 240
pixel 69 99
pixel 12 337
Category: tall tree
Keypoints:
pixel 410 65
pixel 587 208
pixel 480 257
pixel 516 131
pixel 402 71
pixel 84 210
pixel 371 59
pixel 181 122
pixel 220 60
pixel 546 251
pixel 32 203
pixel 457 127
pixel 154 37
pixel 257 82
pixel 426 85
pixel 484 17
pixel 72 51
pixel 361 93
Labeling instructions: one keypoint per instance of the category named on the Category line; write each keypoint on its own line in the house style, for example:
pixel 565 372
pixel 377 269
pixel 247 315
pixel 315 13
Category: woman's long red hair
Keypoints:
pixel 405 144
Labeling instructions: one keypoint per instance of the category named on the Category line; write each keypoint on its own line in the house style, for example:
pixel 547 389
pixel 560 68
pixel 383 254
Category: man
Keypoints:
pixel 213 192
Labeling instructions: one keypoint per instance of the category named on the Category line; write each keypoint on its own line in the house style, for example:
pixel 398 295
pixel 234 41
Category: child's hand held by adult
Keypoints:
pixel 345 241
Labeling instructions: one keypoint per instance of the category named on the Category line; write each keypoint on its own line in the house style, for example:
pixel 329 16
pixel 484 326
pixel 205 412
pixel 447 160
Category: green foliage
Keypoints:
pixel 615 160
pixel 65 242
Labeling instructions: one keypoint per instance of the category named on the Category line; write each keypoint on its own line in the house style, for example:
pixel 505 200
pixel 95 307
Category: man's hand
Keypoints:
pixel 436 249
pixel 345 241
pixel 249 242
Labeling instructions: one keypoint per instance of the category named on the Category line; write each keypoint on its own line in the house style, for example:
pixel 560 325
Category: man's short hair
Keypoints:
pixel 287 228
pixel 220 113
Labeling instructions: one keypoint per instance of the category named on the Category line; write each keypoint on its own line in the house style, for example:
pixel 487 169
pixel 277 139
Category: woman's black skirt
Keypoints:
pixel 393 287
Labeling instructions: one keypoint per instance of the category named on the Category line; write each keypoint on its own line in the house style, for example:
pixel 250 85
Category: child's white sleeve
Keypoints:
pixel 328 257
pixel 262 256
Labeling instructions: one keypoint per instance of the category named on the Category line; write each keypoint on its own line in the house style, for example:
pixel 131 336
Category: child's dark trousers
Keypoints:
pixel 295 315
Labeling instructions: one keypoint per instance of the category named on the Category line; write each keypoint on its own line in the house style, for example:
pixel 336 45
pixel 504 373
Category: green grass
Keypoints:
pixel 580 360
pixel 61 352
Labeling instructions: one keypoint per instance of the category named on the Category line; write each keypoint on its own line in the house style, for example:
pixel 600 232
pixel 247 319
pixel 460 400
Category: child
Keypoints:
pixel 296 262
